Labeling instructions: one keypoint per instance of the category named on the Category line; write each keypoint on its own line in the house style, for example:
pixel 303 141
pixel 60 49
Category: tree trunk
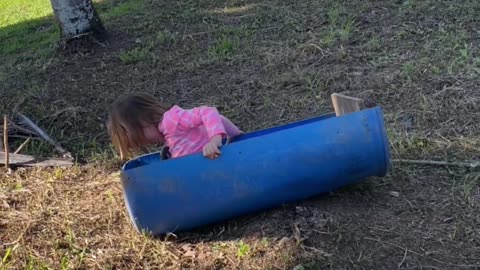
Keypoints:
pixel 77 17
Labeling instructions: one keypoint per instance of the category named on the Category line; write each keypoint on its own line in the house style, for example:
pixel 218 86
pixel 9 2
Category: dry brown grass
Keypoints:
pixel 75 219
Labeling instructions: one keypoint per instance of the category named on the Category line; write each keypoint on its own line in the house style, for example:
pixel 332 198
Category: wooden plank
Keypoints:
pixel 31 161
pixel 345 104
pixel 53 162
pixel 16 158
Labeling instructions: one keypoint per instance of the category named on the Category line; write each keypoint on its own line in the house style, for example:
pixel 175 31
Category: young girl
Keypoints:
pixel 137 120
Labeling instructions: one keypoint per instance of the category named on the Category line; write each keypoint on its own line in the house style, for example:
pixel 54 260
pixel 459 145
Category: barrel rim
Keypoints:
pixel 385 145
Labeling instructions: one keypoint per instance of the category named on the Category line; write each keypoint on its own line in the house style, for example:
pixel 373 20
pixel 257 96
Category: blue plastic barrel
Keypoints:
pixel 257 171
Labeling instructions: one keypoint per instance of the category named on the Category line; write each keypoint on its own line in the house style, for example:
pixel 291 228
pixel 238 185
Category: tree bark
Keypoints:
pixel 77 17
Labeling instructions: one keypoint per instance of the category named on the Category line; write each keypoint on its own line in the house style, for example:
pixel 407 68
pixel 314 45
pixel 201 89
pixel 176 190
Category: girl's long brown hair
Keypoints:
pixel 127 117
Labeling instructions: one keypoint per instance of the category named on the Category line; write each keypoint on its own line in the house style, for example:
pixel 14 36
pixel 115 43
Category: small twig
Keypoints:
pixel 404 258
pixel 81 35
pixel 230 259
pixel 22 145
pixel 5 140
pixel 471 164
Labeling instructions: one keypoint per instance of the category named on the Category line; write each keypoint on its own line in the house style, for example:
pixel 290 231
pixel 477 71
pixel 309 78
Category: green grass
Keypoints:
pixel 6 256
pixel 108 13
pixel 139 53
pixel 409 145
pixel 408 71
pixel 165 37
pixel 341 25
pixel 35 36
pixel 346 28
pixel 187 9
pixel 447 51
pixel 374 43
pixel 243 249
pixel 134 55
pixel 436 70
pixel 19 11
pixel 224 47
pixel 28 30
pixel 26 26
pixel 335 12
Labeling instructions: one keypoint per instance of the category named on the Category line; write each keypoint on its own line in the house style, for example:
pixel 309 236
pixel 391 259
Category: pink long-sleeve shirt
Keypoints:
pixel 188 131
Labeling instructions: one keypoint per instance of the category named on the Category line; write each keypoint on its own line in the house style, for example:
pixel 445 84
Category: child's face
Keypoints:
pixel 152 134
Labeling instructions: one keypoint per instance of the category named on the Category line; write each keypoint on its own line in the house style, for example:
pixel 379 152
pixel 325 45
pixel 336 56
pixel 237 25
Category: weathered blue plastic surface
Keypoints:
pixel 259 170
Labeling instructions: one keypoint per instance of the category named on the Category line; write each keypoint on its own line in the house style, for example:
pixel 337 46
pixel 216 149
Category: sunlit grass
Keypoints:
pixel 18 11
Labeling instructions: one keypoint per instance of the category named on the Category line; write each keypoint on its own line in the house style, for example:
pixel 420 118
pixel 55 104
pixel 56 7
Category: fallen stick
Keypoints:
pixel 471 164
pixel 22 145
pixel 5 141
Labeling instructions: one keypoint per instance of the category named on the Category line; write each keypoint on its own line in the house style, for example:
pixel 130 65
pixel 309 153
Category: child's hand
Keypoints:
pixel 211 149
